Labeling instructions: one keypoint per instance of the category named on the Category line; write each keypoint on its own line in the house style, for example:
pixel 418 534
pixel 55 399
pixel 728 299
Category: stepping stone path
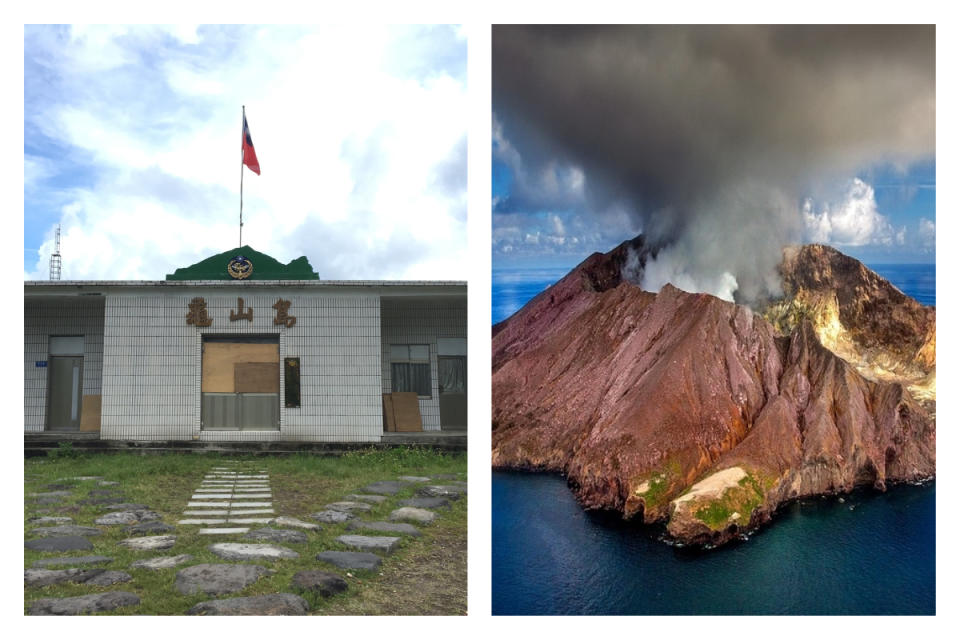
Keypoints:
pixel 47 520
pixel 453 491
pixel 134 516
pixel 97 577
pixel 332 517
pixel 217 579
pixel 241 551
pixel 277 535
pixel 284 521
pixel 375 499
pixel 348 507
pixel 74 560
pixel 83 604
pixel 351 559
pixel 148 543
pixel 386 544
pixel 65 543
pixel 230 496
pixel 163 562
pixel 275 604
pixel 426 503
pixel 423 516
pixel 319 582
pixel 385 527
pixel 65 530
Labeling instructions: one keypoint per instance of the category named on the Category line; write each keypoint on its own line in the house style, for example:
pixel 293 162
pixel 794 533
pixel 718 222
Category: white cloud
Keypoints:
pixel 927 233
pixel 360 140
pixel 855 221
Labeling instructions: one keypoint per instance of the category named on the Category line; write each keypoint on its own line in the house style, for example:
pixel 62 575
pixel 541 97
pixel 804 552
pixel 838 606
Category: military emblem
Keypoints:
pixel 239 268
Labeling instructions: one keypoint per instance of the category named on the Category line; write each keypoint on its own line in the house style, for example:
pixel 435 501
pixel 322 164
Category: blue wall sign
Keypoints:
pixel 41 363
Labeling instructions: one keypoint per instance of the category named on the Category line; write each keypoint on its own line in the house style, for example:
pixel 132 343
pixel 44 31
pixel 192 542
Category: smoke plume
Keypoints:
pixel 715 136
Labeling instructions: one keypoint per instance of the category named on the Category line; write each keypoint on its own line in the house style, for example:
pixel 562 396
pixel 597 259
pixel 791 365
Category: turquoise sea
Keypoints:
pixel 871 554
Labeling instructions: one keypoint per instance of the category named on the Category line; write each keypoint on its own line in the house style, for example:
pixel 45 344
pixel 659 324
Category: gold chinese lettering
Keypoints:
pixel 198 313
pixel 240 314
pixel 282 306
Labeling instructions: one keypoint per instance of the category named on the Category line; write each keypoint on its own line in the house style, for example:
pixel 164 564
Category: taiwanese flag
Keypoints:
pixel 249 155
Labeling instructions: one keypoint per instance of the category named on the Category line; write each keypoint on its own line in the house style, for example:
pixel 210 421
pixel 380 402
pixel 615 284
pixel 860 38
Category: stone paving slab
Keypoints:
pixel 413 479
pixel 91 603
pixel 147 527
pixel 65 543
pixel 386 544
pixel 373 498
pixel 386 487
pixel 332 517
pixel 149 542
pixel 426 503
pixel 285 521
pixel 211 496
pixel 108 483
pixel 217 579
pixel 275 604
pixel 48 520
pixel 223 531
pixel 202 505
pixel 248 512
pixel 422 516
pixel 65 530
pixel 163 562
pixel 384 527
pixel 96 577
pixel 72 560
pixel 214 512
pixel 51 494
pixel 249 520
pixel 251 489
pixel 277 535
pixel 128 517
pixel 127 506
pixel 243 551
pixel 349 507
pixel 443 491
pixel 320 582
pixel 351 559
pixel 203 521
pixel 242 505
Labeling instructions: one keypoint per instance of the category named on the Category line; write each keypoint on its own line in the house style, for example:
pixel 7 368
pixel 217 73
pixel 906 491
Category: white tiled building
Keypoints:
pixel 134 361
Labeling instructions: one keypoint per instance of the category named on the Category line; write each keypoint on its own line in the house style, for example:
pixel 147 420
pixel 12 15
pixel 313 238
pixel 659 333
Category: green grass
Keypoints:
pixel 660 483
pixel 742 499
pixel 301 485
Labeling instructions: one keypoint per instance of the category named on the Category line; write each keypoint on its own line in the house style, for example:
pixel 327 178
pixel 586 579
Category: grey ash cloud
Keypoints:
pixel 712 136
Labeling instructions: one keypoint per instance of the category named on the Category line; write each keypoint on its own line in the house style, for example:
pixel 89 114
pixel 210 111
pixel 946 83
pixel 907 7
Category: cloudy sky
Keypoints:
pixel 132 144
pixel 721 144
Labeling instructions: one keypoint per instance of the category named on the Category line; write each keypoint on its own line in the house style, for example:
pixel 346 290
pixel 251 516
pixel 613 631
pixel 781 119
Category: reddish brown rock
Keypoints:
pixel 686 409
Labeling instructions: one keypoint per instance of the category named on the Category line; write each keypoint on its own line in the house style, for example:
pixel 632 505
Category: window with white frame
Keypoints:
pixel 410 368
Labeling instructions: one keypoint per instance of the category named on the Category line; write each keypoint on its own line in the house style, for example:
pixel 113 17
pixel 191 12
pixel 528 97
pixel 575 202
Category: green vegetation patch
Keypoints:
pixel 659 484
pixel 743 499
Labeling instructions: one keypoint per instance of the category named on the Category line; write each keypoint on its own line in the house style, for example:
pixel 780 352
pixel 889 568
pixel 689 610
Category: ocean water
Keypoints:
pixel 873 554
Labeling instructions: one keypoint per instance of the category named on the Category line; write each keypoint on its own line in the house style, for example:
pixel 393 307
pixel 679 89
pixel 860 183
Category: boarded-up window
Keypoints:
pixel 410 369
pixel 291 382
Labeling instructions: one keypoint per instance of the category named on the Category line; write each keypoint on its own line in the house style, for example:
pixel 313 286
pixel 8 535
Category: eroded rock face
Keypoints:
pixel 640 398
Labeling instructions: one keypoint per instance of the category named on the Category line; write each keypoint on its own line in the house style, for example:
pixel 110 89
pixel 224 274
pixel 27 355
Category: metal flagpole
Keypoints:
pixel 244 107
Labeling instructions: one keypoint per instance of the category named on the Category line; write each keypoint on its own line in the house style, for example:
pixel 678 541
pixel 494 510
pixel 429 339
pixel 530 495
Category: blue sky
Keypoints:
pixel 132 144
pixel 725 143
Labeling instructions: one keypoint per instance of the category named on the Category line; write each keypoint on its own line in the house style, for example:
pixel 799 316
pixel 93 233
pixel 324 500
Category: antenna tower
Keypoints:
pixel 55 259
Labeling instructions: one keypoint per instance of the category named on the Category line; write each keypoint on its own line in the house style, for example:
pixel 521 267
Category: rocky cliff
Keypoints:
pixel 689 410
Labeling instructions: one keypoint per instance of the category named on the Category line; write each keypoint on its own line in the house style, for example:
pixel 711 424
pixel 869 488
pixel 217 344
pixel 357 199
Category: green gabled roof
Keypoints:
pixel 264 267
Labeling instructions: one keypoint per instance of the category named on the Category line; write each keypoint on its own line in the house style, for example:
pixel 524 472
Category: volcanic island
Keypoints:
pixel 705 416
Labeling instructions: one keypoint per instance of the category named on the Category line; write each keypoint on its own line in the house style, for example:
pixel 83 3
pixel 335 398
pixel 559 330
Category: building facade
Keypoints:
pixel 280 356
